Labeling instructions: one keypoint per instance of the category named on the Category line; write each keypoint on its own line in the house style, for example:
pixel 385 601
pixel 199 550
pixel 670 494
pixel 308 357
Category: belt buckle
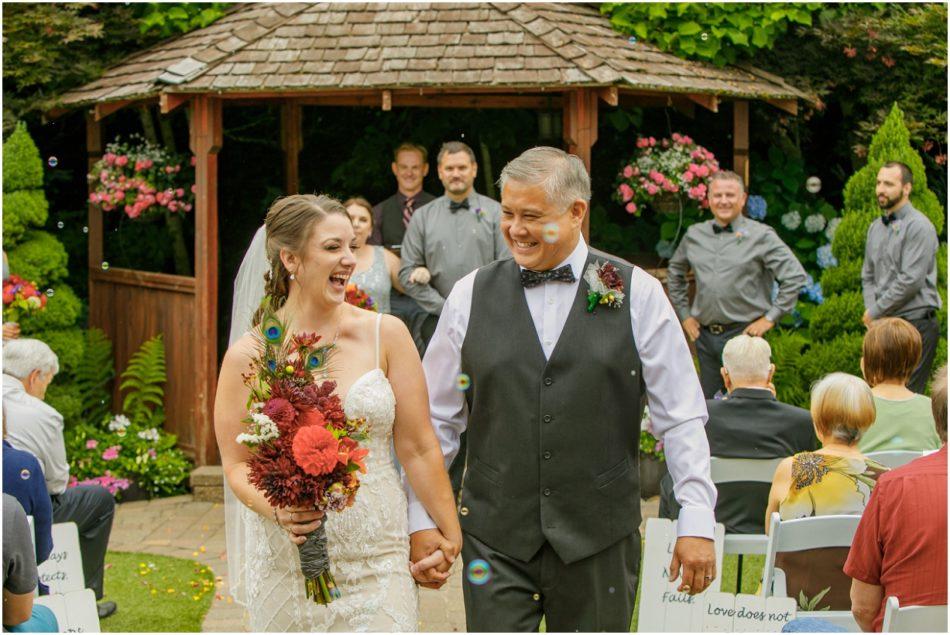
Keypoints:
pixel 716 329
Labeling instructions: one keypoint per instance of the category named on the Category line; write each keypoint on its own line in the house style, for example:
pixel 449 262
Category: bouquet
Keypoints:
pixel 20 298
pixel 358 297
pixel 674 166
pixel 305 452
pixel 140 179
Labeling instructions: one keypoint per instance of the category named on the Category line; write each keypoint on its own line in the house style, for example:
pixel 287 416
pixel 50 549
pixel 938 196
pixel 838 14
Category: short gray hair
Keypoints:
pixel 747 358
pixel 842 407
pixel 22 356
pixel 562 176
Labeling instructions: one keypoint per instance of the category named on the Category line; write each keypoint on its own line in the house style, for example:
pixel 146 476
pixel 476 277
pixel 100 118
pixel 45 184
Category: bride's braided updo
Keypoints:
pixel 289 225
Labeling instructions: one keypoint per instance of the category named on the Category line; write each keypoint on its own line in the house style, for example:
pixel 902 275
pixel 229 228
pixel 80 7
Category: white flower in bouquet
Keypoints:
pixel 814 223
pixel 792 220
pixel 149 435
pixel 119 422
pixel 266 428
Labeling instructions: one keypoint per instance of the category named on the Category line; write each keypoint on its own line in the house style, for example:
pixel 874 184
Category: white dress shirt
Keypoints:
pixel 675 398
pixel 35 426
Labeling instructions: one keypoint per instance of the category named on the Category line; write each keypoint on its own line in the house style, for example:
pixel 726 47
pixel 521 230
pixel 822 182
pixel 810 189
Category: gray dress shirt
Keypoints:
pixel 899 277
pixel 35 426
pixel 734 272
pixel 450 245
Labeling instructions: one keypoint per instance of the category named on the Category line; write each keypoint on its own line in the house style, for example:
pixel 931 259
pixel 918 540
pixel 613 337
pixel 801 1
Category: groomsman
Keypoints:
pixel 391 218
pixel 550 389
pixel 734 261
pixel 899 278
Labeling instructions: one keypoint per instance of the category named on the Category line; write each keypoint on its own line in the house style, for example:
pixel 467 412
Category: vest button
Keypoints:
pixel 547 492
pixel 464 511
pixel 548 381
pixel 547 455
pixel 548 418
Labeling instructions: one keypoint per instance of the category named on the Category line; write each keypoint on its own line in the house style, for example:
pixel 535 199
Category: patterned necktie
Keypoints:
pixel 407 210
pixel 718 229
pixel 531 278
pixel 454 207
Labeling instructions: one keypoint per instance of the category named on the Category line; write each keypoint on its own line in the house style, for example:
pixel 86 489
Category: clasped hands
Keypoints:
pixel 430 557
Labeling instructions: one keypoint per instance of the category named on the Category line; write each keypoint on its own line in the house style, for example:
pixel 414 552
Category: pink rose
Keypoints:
pixel 91 444
pixel 179 192
pixel 652 189
pixel 656 177
pixel 194 188
pixel 652 141
pixel 642 142
pixel 676 136
pixel 687 176
pixel 112 453
pixel 187 207
pixel 194 160
pixel 109 158
pixel 631 208
pixel 121 160
pixel 702 171
pixel 168 169
pixel 152 453
pixel 626 192
pixel 627 171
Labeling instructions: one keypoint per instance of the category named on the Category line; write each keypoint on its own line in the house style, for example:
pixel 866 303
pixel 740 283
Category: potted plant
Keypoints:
pixel 667 176
pixel 652 459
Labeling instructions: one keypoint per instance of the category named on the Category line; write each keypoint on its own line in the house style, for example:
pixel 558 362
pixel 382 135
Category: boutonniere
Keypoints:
pixel 479 214
pixel 739 236
pixel 605 286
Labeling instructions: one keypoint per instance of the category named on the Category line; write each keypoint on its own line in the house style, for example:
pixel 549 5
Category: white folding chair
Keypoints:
pixel 913 619
pixel 725 470
pixel 894 458
pixel 816 532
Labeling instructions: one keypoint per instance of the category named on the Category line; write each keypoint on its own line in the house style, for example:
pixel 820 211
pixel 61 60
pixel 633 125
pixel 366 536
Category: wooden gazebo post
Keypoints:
pixel 580 131
pixel 740 139
pixel 206 140
pixel 94 219
pixel 291 142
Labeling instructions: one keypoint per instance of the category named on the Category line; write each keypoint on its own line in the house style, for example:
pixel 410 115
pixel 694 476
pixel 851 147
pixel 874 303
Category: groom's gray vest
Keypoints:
pixel 553 445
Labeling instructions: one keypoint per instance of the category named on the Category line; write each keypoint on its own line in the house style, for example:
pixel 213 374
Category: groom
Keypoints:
pixel 551 396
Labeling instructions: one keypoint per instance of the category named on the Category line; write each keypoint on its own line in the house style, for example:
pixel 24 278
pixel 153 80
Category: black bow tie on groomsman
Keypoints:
pixel 531 278
pixel 887 219
pixel 718 229
pixel 456 206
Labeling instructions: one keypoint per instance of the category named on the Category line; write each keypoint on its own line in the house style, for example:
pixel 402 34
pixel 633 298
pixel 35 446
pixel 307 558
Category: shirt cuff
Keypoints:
pixel 418 518
pixel 696 521
pixel 874 311
pixel 773 315
pixel 683 313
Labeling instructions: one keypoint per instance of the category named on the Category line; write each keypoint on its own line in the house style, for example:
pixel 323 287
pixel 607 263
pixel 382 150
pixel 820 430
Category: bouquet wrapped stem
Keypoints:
pixel 315 565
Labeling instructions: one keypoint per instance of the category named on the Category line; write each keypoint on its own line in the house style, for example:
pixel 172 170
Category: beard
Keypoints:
pixel 886 203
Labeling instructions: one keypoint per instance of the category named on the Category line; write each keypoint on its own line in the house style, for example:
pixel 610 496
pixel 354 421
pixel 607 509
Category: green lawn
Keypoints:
pixel 156 593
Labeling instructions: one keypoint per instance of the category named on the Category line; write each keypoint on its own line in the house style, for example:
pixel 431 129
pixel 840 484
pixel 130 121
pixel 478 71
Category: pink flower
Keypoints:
pixel 194 188
pixel 168 169
pixel 940 159
pixel 152 453
pixel 112 453
pixel 179 192
pixel 850 51
pixel 656 177
pixel 93 197
pixel 188 207
pixel 652 141
pixel 702 171
pixel 643 142
pixel 109 158
pixel 91 444
pixel 626 192
pixel 676 136
pixel 194 160
pixel 631 208
pixel 652 189
pixel 687 176
pixel 121 160
pixel 627 171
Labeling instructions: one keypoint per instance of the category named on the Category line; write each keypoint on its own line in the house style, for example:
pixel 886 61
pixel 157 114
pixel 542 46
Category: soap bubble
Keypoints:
pixel 813 184
pixel 105 265
pixel 85 230
pixel 52 162
pixel 704 37
pixel 479 572
pixel 610 590
pixel 463 382
pixel 50 292
pixel 60 224
pixel 632 39
pixel 550 232
pixel 24 474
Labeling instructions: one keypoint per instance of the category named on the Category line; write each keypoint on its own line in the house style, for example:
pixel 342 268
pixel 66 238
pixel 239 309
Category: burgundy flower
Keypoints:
pixel 610 276
pixel 280 411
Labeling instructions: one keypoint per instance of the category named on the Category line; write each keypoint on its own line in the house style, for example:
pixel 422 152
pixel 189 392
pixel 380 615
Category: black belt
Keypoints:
pixel 719 329
pixel 921 314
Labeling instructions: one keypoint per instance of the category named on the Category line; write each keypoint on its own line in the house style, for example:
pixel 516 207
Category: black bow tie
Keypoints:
pixel 454 207
pixel 887 219
pixel 534 278
pixel 718 229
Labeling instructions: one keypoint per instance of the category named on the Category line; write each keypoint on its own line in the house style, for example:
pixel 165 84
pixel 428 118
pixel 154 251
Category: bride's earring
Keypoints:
pixel 293 276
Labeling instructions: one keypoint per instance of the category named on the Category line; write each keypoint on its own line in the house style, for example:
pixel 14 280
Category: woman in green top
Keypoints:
pixel 904 421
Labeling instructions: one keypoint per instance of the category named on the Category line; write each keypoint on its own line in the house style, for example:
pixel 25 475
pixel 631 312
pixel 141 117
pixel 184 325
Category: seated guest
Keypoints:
pixel 20 614
pixel 836 479
pixel 904 422
pixel 377 269
pixel 900 547
pixel 749 424
pixel 23 480
pixel 28 368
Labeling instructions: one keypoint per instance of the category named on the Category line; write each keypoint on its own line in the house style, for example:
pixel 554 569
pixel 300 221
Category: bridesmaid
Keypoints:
pixel 377 270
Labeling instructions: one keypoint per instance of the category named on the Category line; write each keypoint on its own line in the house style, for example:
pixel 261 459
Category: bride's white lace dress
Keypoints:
pixel 368 544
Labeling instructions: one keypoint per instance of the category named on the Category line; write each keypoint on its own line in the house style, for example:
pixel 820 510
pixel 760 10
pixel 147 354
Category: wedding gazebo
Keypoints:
pixel 462 55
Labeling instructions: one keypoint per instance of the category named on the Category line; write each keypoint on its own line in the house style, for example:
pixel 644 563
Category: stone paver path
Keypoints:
pixel 184 528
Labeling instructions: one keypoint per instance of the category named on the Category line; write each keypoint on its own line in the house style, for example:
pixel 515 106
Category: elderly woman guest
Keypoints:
pixel 836 479
pixel 904 421
pixel 377 270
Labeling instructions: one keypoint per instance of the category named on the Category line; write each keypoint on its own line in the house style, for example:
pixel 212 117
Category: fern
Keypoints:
pixel 143 379
pixel 94 376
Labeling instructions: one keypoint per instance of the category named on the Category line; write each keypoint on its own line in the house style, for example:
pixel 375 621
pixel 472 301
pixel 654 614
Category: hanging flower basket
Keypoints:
pixel 666 176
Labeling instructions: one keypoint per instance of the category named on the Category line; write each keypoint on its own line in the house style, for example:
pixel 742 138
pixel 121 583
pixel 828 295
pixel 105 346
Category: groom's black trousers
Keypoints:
pixel 593 594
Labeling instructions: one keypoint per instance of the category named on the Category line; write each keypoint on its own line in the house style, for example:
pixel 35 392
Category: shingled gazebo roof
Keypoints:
pixel 298 47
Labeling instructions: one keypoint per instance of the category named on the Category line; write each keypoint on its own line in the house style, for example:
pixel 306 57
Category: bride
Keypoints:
pixel 309 245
